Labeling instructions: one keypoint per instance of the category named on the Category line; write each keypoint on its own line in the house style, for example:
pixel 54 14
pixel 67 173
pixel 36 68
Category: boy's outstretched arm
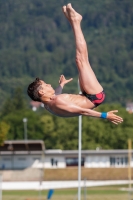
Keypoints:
pixel 62 82
pixel 71 108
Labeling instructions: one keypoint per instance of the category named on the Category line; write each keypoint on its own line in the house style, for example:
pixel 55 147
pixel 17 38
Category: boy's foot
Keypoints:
pixel 71 14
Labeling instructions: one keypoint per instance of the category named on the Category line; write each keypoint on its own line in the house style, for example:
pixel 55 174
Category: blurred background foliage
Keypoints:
pixel 36 41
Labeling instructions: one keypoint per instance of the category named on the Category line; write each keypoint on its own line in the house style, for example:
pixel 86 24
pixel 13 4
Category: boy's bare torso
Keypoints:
pixel 58 104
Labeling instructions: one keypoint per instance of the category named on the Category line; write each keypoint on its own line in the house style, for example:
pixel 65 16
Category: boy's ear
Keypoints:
pixel 40 93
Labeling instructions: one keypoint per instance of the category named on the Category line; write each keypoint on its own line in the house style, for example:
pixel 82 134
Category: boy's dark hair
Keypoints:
pixel 33 89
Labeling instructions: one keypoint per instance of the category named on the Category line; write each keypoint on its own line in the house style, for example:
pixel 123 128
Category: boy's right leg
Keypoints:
pixel 87 78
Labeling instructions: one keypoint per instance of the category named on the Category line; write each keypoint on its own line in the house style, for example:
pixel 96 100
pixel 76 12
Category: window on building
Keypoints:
pixel 21 158
pixel 36 159
pixel 74 162
pixel 54 162
pixel 118 161
pixel 6 159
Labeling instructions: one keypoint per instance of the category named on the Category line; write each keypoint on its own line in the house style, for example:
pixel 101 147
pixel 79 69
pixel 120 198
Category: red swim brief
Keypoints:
pixel 96 99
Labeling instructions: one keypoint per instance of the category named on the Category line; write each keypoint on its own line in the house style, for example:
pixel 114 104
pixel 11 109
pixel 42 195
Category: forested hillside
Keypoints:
pixel 36 40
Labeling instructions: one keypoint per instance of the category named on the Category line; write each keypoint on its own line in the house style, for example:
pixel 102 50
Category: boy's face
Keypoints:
pixel 47 88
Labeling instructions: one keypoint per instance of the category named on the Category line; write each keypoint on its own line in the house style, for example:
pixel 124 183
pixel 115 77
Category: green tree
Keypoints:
pixel 15 102
pixel 104 134
pixel 36 40
pixel 4 128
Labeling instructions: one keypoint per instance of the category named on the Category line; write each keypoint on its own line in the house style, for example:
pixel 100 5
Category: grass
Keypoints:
pixel 94 193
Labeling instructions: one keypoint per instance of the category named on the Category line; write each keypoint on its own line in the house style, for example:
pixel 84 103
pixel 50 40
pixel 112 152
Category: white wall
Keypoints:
pixel 5 162
pixel 18 161
pixel 36 161
pixel 132 162
pixel 58 162
pixel 97 161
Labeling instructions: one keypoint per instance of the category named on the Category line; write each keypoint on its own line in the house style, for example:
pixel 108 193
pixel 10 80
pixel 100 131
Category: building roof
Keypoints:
pixel 22 147
pixel 37 147
pixel 87 152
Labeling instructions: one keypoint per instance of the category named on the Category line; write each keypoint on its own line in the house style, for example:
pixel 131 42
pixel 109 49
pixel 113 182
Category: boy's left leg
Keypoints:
pixel 87 78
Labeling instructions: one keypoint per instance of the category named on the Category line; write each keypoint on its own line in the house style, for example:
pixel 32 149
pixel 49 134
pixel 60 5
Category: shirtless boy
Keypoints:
pixel 70 105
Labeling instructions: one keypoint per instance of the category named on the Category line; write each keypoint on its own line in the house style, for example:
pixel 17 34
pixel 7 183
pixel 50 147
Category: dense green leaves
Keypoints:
pixel 4 128
pixel 36 41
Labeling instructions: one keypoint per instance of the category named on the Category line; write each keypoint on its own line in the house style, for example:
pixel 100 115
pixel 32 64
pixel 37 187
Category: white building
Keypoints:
pixel 90 158
pixel 22 154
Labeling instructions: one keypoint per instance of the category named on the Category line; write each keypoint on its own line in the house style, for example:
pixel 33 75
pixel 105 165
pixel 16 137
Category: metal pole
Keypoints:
pixel 85 189
pixel 41 172
pixel 0 186
pixel 79 159
pixel 79 152
pixel 129 165
pixel 25 128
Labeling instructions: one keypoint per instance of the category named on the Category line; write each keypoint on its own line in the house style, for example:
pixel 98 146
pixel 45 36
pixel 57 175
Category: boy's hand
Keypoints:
pixel 63 80
pixel 114 118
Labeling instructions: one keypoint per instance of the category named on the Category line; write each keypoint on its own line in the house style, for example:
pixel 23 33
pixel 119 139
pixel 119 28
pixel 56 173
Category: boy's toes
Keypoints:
pixel 69 5
pixel 64 9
